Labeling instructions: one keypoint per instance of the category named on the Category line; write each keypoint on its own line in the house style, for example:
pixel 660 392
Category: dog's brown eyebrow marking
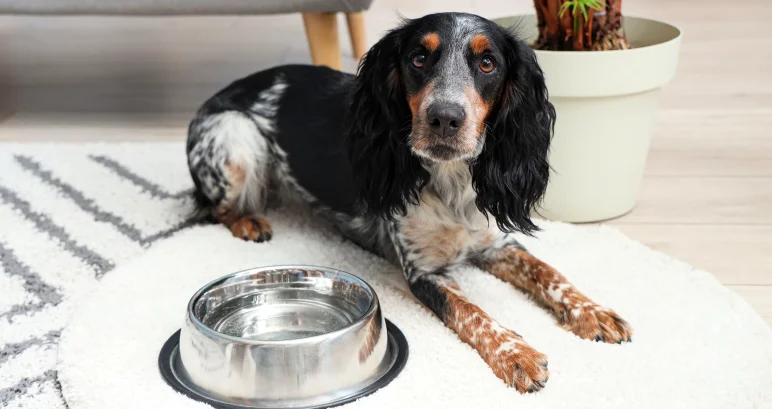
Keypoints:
pixel 479 44
pixel 431 41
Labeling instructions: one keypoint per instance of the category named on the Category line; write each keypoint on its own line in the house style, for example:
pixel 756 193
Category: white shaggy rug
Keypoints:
pixel 70 214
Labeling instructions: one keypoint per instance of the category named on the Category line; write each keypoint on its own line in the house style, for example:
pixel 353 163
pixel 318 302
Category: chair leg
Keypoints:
pixel 356 30
pixel 322 34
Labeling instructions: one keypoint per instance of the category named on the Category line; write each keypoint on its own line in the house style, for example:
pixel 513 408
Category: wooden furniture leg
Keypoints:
pixel 322 34
pixel 356 30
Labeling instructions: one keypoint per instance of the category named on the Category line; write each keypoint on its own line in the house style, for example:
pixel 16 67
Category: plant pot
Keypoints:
pixel 606 103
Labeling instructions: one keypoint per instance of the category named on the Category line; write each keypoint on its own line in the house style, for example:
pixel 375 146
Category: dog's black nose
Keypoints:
pixel 445 119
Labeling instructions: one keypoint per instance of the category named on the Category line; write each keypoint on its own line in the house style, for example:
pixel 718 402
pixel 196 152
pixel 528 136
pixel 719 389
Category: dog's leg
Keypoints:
pixel 509 356
pixel 245 227
pixel 228 159
pixel 511 262
pixel 232 213
pixel 426 252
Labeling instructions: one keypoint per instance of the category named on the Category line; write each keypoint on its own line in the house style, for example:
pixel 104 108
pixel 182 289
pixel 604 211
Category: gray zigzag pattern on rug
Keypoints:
pixel 100 215
pixel 78 198
pixel 33 283
pixel 8 394
pixel 10 350
pixel 150 187
pixel 44 223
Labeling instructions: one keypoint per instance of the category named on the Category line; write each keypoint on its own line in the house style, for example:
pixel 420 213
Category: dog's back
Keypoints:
pixel 242 139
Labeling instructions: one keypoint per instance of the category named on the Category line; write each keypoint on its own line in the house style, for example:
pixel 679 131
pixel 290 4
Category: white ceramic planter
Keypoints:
pixel 606 103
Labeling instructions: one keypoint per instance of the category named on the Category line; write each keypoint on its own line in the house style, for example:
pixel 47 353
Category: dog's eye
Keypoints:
pixel 419 60
pixel 486 64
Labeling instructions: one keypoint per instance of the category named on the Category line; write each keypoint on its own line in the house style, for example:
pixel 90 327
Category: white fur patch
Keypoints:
pixel 555 292
pixel 234 139
pixel 509 346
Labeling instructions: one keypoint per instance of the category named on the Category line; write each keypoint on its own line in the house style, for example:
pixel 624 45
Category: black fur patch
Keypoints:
pixel 429 292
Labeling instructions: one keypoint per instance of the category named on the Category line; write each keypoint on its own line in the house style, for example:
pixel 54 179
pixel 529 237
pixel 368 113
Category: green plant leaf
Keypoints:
pixel 596 5
pixel 565 6
pixel 582 5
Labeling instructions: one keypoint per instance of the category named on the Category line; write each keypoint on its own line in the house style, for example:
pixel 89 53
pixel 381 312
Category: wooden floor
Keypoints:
pixel 707 194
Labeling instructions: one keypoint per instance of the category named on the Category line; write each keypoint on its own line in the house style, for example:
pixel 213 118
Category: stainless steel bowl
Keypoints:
pixel 279 337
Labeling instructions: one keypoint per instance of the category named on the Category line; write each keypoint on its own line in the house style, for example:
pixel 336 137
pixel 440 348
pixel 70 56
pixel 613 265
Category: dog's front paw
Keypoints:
pixel 518 364
pixel 252 228
pixel 597 323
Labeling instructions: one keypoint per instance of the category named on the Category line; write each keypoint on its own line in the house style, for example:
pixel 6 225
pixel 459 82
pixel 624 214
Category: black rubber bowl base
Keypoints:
pixel 169 355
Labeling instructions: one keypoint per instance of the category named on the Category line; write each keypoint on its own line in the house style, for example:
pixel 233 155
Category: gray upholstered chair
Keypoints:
pixel 319 16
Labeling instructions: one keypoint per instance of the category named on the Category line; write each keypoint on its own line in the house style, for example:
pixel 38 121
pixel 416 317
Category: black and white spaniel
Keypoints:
pixel 431 156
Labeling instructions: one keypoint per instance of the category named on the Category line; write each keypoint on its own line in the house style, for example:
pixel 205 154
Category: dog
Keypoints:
pixel 433 156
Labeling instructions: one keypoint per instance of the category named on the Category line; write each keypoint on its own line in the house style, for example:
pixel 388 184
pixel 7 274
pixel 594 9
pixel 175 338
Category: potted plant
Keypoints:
pixel 604 72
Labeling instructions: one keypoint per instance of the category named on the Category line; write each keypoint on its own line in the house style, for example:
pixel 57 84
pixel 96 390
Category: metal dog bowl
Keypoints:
pixel 283 337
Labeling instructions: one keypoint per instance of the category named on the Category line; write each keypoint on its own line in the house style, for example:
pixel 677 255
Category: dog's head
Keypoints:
pixel 445 88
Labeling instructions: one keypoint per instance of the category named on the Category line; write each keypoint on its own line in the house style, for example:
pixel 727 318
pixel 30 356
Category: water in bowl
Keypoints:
pixel 280 314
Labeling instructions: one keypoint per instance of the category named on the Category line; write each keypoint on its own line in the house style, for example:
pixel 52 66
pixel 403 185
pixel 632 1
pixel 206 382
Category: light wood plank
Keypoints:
pixel 93 127
pixel 735 254
pixel 759 297
pixel 704 200
pixel 710 157
pixel 712 143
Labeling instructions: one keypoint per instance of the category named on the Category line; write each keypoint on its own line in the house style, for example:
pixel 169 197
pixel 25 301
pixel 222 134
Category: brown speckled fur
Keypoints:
pixel 575 311
pixel 509 356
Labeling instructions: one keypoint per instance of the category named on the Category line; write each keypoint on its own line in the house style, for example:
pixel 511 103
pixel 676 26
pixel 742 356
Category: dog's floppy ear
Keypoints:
pixel 387 176
pixel 510 176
